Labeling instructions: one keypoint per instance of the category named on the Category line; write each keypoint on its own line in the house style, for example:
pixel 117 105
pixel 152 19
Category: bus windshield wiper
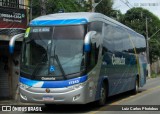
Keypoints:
pixel 60 66
pixel 55 57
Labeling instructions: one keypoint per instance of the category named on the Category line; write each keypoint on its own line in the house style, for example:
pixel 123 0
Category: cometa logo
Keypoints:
pixel 118 60
pixel 47 78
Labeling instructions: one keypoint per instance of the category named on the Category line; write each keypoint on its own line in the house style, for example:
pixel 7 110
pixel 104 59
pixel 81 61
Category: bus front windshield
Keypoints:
pixel 53 51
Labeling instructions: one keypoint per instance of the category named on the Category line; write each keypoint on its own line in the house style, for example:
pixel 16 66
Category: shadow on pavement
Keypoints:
pixel 84 108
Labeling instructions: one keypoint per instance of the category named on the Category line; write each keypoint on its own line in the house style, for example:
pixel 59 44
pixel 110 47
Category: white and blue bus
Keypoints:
pixel 77 58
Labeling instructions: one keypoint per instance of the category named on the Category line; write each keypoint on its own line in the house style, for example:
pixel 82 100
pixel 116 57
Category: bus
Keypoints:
pixel 78 58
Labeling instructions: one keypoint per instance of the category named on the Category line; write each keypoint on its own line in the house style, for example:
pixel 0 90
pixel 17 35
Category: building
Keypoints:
pixel 13 20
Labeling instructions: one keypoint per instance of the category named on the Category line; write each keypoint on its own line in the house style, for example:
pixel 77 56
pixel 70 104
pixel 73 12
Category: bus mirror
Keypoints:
pixel 12 42
pixel 87 41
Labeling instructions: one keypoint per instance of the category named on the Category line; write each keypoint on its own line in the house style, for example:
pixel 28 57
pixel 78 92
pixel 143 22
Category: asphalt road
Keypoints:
pixel 148 95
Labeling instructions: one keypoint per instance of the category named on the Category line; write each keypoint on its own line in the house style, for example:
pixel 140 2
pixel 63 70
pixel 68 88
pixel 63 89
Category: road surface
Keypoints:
pixel 148 95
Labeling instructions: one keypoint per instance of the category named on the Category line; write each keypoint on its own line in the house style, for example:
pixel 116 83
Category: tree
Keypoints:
pixel 116 14
pixel 154 47
pixel 104 7
pixel 36 9
pixel 54 6
pixel 135 19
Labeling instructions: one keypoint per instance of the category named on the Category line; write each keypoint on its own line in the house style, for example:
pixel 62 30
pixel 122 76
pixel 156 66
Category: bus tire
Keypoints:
pixel 136 88
pixel 103 95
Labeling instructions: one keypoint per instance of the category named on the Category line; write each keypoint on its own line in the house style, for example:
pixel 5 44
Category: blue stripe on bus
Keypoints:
pixel 57 22
pixel 11 49
pixel 53 84
pixel 87 47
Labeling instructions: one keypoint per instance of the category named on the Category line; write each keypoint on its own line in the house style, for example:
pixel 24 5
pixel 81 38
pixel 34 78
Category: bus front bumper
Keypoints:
pixel 54 95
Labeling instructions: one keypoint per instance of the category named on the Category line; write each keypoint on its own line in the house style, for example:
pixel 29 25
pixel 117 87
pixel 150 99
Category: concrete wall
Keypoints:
pixel 155 67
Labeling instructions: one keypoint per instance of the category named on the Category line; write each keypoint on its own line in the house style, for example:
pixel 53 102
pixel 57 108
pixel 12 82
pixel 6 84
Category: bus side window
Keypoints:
pixel 93 55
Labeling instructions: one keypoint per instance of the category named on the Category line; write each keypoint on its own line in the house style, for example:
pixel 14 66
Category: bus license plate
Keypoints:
pixel 48 98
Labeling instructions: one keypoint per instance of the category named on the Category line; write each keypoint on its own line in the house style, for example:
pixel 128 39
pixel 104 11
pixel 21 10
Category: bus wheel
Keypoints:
pixel 136 88
pixel 103 95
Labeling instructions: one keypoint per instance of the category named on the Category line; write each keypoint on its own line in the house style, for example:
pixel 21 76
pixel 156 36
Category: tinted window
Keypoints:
pixel 138 42
pixel 93 55
pixel 44 45
pixel 96 26
pixel 116 38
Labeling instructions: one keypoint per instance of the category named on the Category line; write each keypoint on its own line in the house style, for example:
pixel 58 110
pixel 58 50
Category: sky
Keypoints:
pixel 124 5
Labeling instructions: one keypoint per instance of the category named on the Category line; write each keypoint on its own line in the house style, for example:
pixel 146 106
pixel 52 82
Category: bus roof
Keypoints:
pixel 73 18
pixel 85 16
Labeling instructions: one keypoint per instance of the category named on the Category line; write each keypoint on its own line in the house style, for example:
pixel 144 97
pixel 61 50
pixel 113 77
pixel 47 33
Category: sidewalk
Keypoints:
pixel 14 102
pixel 9 102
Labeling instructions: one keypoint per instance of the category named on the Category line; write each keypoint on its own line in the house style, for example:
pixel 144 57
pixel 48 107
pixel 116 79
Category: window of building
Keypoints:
pixel 12 3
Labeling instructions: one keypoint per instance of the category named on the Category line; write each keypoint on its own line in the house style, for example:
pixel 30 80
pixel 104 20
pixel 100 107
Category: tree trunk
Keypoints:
pixel 43 7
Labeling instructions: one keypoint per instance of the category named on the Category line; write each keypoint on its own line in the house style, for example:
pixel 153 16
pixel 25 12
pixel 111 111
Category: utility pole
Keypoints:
pixel 156 69
pixel 94 5
pixel 147 41
pixel 30 17
pixel 43 7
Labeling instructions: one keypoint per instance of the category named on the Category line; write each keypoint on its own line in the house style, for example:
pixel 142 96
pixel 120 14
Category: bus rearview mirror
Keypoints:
pixel 91 35
pixel 12 42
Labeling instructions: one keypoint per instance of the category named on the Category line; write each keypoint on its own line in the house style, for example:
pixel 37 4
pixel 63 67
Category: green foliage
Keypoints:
pixel 104 7
pixel 53 6
pixel 154 75
pixel 154 49
pixel 36 9
pixel 135 18
pixel 117 15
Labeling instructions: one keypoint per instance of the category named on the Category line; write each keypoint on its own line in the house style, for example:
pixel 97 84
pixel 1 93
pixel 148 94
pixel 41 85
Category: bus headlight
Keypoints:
pixel 77 86
pixel 24 86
